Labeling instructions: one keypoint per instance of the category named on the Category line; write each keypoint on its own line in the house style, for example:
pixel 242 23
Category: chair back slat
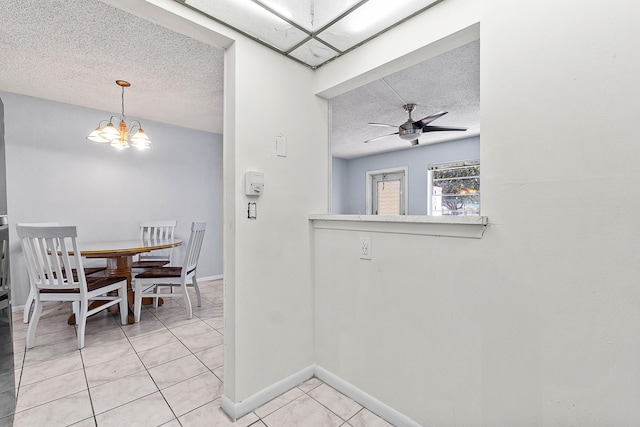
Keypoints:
pixel 157 230
pixel 193 247
pixel 47 253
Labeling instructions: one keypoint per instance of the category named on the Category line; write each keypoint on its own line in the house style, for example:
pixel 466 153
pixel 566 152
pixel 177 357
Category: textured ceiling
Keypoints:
pixel 72 51
pixel 448 82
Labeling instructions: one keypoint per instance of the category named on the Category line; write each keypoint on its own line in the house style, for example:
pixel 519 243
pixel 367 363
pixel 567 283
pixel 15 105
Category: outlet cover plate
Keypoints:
pixel 365 248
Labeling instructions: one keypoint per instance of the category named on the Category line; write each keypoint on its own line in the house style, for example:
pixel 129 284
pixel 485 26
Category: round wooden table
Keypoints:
pixel 119 255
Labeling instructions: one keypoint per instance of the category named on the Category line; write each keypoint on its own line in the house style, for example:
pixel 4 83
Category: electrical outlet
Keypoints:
pixel 365 248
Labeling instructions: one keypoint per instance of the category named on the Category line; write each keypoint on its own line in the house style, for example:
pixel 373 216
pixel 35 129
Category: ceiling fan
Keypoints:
pixel 411 130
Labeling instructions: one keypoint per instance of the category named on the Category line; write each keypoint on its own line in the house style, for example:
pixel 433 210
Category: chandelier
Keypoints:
pixel 121 137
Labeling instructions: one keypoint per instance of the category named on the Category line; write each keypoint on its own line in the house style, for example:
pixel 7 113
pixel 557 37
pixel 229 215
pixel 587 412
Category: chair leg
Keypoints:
pixel 155 298
pixel 75 307
pixel 187 300
pixel 137 301
pixel 27 306
pixel 35 317
pixel 197 288
pixel 124 306
pixel 82 324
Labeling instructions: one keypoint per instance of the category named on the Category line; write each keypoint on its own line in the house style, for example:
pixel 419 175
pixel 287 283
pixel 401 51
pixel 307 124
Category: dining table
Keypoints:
pixel 119 255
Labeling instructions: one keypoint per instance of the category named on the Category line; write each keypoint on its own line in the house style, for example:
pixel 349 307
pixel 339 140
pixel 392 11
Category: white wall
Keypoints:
pixel 271 301
pixel 55 174
pixel 537 322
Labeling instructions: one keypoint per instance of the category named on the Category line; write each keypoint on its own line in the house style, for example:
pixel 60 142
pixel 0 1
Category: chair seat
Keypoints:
pixel 149 264
pixel 93 283
pixel 160 272
pixel 87 271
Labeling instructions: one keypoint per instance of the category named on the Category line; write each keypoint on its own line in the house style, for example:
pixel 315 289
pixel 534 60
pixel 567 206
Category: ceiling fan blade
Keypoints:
pixel 429 119
pixel 382 124
pixel 379 137
pixel 414 142
pixel 441 128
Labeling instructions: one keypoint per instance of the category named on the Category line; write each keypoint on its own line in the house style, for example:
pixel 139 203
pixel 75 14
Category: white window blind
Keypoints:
pixel 387 192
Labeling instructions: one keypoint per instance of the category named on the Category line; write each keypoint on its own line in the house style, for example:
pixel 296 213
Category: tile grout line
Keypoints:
pixel 151 376
pixel 149 373
pixel 128 339
pixel 84 371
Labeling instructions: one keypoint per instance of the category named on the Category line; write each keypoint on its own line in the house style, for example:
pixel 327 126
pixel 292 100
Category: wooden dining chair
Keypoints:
pixel 156 230
pixel 31 297
pixel 52 255
pixel 151 282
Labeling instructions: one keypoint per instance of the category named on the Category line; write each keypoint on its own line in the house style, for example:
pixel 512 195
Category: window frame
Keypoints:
pixel 404 187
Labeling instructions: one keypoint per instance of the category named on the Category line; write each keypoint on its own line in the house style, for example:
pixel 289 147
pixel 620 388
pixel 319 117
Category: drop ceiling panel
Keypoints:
pixel 368 20
pixel 310 14
pixel 285 25
pixel 251 18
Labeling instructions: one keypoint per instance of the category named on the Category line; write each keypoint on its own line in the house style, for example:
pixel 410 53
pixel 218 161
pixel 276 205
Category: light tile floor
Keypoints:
pixel 166 370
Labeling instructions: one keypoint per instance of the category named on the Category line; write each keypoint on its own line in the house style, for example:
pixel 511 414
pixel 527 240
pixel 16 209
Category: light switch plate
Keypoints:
pixel 281 146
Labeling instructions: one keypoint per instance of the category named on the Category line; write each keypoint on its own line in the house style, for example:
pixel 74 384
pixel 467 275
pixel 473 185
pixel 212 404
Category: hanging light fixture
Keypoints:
pixel 120 137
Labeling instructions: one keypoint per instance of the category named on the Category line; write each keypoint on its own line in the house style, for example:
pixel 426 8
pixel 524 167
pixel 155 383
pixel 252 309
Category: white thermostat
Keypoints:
pixel 253 183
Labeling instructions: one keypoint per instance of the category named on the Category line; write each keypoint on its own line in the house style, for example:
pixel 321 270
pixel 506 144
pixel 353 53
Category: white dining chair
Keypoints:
pixel 31 297
pixel 56 273
pixel 156 230
pixel 150 283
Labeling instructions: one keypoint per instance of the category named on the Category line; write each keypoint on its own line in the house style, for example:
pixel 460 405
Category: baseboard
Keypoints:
pixel 237 410
pixel 45 305
pixel 379 408
pixel 384 411
pixel 214 277
pixel 19 308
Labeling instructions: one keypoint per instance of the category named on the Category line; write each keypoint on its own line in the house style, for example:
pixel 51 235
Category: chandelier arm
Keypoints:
pixel 134 123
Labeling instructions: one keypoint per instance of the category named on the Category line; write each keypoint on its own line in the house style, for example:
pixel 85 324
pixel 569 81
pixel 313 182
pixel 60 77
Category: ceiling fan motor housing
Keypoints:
pixel 409 130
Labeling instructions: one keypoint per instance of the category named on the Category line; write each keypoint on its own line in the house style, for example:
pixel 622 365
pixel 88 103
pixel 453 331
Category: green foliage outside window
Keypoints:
pixel 459 189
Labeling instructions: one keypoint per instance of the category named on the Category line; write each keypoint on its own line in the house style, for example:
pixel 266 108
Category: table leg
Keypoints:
pixel 121 267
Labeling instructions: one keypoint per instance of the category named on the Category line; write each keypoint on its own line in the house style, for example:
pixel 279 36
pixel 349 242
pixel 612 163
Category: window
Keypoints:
pixel 387 192
pixel 454 188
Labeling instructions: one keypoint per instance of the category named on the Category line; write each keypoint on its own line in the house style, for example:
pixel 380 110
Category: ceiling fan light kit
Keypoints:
pixel 411 130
